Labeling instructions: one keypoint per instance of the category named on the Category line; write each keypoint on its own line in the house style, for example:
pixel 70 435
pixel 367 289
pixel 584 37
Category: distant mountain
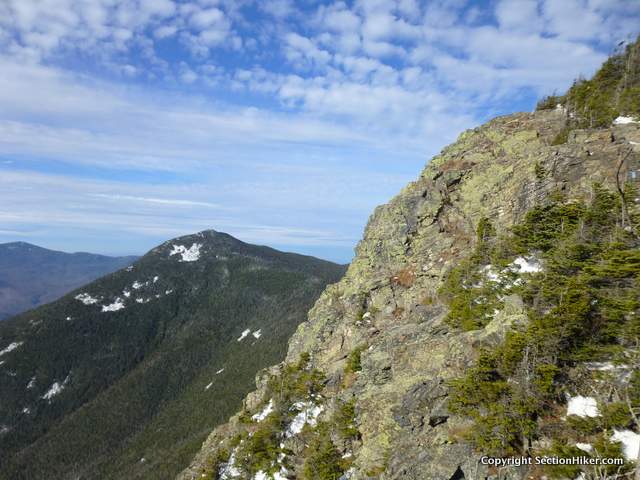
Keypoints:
pixel 31 276
pixel 124 377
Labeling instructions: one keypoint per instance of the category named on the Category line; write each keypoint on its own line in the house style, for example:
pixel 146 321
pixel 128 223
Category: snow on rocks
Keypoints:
pixel 155 279
pixel 26 410
pixel 621 120
pixel 260 416
pixel 126 293
pixel 118 304
pixel 230 470
pixel 32 383
pixel 630 443
pixel 585 447
pixel 190 254
pixel 257 333
pixel 208 386
pixel 260 475
pixel 220 371
pixel 87 299
pixel 244 334
pixel 55 389
pixel 137 285
pixel 10 348
pixel 583 407
pixel 527 265
pixel 308 414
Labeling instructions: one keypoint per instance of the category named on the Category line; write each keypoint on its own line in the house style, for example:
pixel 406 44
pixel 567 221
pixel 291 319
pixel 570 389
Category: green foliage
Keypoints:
pixel 322 459
pixel 539 171
pixel 297 382
pixel 345 419
pixel 544 225
pixel 562 136
pixel 549 102
pixel 581 309
pixel 613 90
pixel 354 363
pixel 260 450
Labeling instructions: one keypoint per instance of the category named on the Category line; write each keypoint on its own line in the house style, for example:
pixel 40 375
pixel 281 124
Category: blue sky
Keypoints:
pixel 125 123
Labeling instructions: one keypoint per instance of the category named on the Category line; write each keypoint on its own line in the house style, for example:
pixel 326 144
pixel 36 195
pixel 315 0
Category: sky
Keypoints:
pixel 124 123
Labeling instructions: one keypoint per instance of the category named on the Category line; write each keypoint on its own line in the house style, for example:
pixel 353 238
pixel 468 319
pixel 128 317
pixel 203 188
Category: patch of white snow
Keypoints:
pixel 220 371
pixel 10 348
pixel 585 447
pixel 190 254
pixel 257 333
pixel 118 304
pixel 55 389
pixel 32 383
pixel 624 120
pixel 260 416
pixel 230 470
pixel 155 279
pixel 583 406
pixel 86 299
pixel 527 266
pixel 309 413
pixel 208 386
pixel 630 443
pixel 244 334
pixel 137 285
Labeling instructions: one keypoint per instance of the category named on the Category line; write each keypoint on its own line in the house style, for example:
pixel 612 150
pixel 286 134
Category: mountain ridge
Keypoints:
pixel 110 378
pixel 31 275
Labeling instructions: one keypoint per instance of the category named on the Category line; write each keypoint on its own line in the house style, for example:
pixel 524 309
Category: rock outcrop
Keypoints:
pixel 387 304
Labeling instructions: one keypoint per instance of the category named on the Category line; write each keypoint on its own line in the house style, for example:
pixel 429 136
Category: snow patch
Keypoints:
pixel 583 407
pixel 585 447
pixel 10 348
pixel 118 304
pixel 309 412
pixel 490 273
pixel 155 279
pixel 167 292
pixel 26 410
pixel 208 386
pixel 621 120
pixel 126 293
pixel 86 299
pixel 190 254
pixel 55 389
pixel 229 469
pixel 260 416
pixel 527 266
pixel 32 383
pixel 137 285
pixel 220 371
pixel 257 333
pixel 129 268
pixel 244 334
pixel 630 443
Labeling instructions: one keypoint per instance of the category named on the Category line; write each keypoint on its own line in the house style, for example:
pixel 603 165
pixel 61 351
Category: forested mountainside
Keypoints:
pixel 492 308
pixel 31 276
pixel 124 377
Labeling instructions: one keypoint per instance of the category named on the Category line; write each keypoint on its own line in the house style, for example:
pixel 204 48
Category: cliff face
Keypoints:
pixel 368 388
pixel 386 308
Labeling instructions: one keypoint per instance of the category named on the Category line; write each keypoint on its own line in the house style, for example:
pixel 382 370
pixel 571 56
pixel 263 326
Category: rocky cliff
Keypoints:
pixel 365 387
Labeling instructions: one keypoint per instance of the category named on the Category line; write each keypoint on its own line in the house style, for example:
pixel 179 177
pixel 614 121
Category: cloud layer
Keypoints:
pixel 281 122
